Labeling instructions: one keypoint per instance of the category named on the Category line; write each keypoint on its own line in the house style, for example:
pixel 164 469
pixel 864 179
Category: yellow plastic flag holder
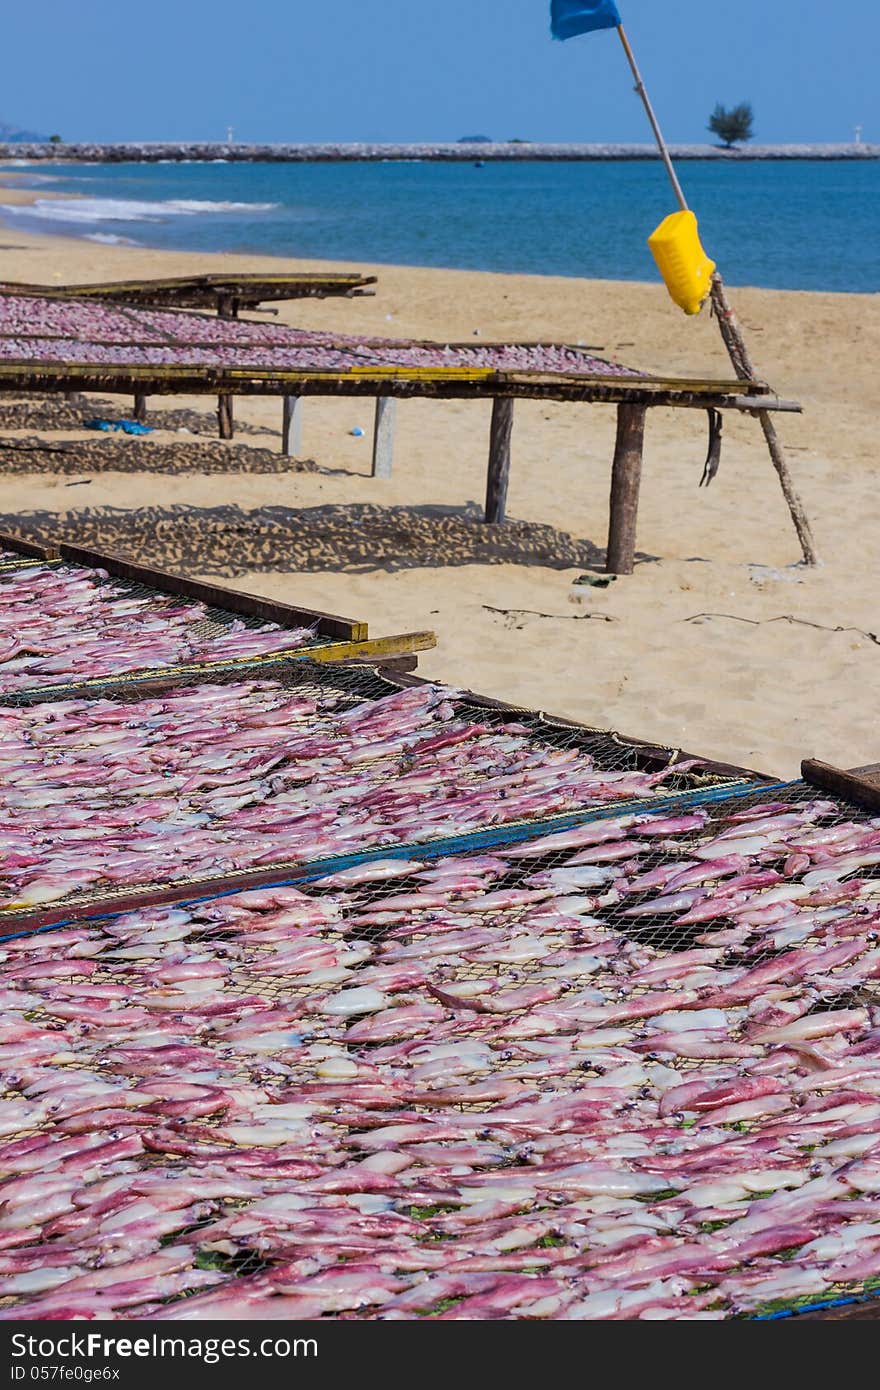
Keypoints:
pixel 690 278
pixel 686 269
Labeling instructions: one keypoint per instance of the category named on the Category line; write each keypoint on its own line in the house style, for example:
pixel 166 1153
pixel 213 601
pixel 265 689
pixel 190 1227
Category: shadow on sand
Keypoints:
pixel 359 538
pixel 121 454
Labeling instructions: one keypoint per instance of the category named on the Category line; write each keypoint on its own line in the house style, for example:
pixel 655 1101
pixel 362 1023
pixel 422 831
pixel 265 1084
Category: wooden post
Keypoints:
pixel 383 436
pixel 225 419
pixel 498 473
pixel 626 478
pixel 738 353
pixel 227 308
pixel 292 427
pixel 140 407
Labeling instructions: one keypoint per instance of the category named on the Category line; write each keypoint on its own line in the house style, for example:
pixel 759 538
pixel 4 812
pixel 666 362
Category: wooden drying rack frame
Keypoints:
pixel 633 396
pixel 345 639
pixel 227 294
pixel 650 756
pixel 218 292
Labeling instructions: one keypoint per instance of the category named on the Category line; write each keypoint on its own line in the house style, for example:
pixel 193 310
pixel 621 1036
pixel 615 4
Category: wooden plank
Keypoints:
pixel 858 784
pixel 383 436
pixel 374 647
pixel 759 403
pixel 234 600
pixel 202 291
pixel 31 549
pixel 397 664
pixel 429 385
pixel 626 480
pixel 140 896
pixel 498 470
pixel 292 427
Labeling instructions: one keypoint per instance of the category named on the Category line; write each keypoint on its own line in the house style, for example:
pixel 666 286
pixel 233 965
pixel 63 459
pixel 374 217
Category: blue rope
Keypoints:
pixel 457 844
pixel 844 1302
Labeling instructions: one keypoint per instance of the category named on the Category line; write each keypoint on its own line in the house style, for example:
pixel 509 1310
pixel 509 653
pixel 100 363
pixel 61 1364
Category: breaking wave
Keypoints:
pixel 91 210
pixel 110 239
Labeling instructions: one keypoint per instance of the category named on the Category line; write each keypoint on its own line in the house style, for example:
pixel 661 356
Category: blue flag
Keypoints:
pixel 571 17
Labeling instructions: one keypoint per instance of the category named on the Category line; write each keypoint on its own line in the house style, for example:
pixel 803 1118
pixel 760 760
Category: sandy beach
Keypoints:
pixel 720 643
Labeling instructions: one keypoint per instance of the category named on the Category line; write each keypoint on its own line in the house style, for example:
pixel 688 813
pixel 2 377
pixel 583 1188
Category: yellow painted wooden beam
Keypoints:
pixel 400 644
pixel 23 562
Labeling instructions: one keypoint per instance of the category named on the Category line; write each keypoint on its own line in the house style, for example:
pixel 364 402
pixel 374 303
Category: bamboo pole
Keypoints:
pixel 738 353
pixel 655 124
pixel 731 333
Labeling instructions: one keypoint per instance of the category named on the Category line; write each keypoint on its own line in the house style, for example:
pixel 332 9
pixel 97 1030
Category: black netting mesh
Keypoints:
pixel 468 1085
pixel 350 684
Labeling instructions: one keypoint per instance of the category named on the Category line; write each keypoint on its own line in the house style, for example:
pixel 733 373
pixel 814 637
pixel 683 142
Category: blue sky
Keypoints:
pixel 416 70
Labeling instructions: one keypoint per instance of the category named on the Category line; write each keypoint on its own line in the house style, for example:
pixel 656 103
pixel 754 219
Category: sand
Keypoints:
pixel 720 642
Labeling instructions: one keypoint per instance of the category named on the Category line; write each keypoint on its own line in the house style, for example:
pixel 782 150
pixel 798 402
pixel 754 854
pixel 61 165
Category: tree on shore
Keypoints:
pixel 732 126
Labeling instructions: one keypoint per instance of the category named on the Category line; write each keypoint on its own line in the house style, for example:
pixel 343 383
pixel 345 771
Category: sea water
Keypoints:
pixel 800 225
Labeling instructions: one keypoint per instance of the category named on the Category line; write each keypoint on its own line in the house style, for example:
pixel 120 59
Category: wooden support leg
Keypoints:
pixel 140 408
pixel 227 308
pixel 225 417
pixel 626 478
pixel 292 427
pixel 498 473
pixel 383 436
pixel 738 353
